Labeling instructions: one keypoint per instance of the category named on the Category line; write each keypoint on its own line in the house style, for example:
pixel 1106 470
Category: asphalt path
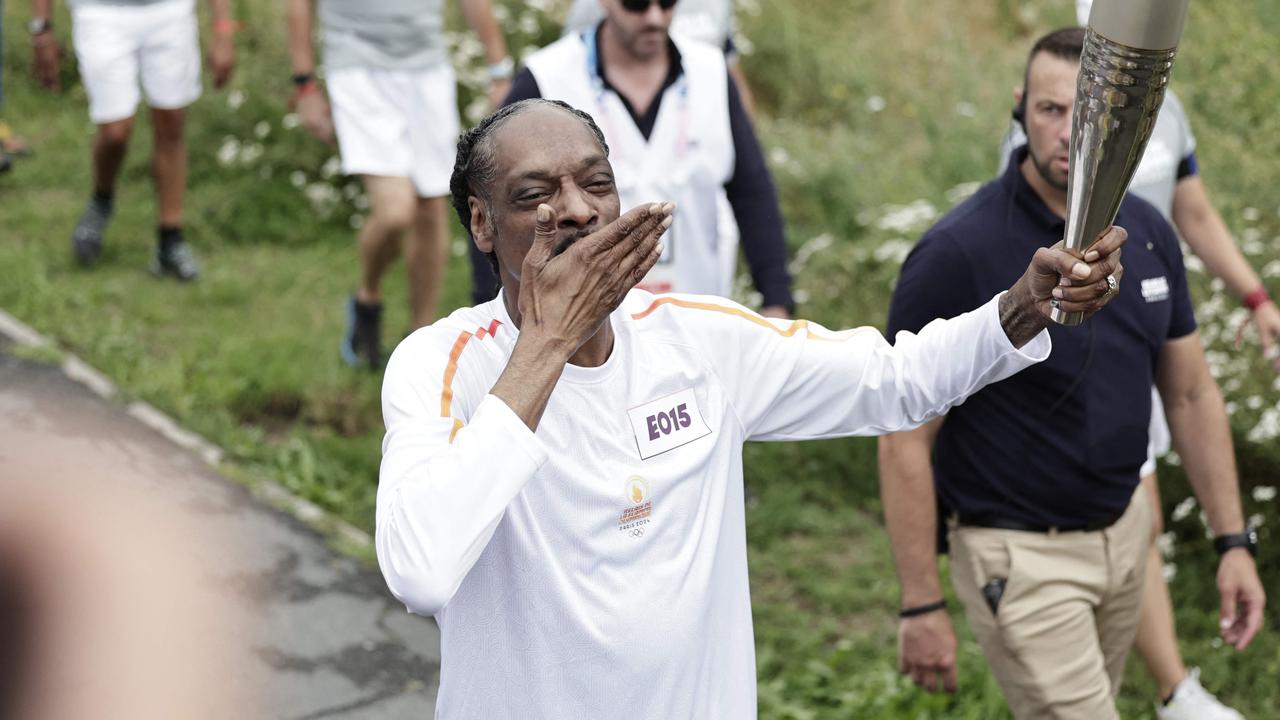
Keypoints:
pixel 329 641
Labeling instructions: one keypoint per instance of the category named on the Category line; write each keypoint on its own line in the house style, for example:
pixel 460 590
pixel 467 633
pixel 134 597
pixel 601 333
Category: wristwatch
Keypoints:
pixel 1247 540
pixel 38 26
pixel 502 70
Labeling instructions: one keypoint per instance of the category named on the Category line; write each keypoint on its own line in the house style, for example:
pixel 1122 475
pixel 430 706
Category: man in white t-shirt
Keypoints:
pixel 395 116
pixel 121 45
pixel 561 483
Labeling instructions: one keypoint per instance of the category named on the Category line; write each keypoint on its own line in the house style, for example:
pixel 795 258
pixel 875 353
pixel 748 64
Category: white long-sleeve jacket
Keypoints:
pixel 597 568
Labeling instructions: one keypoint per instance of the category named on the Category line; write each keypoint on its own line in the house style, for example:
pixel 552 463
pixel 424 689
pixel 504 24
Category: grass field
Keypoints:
pixel 876 117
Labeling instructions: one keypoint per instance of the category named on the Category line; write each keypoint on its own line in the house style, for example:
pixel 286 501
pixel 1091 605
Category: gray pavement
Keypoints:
pixel 331 642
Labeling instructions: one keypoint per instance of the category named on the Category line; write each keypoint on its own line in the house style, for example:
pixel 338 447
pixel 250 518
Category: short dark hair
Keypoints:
pixel 476 163
pixel 1066 43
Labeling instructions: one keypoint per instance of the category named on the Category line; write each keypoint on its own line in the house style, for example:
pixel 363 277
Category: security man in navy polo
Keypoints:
pixel 1037 476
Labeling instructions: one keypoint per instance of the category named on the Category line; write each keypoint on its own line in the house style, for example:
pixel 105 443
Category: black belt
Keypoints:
pixel 1005 523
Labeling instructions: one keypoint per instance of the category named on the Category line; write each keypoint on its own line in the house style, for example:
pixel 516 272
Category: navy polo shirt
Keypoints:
pixel 1060 443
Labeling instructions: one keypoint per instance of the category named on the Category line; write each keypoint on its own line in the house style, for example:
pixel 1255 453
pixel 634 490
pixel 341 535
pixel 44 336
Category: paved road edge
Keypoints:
pixel 344 536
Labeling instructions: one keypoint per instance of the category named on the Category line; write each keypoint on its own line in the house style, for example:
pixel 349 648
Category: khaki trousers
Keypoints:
pixel 1058 639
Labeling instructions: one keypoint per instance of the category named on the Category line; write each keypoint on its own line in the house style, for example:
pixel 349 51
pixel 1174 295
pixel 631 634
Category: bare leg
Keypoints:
pixel 108 153
pixel 169 164
pixel 1157 641
pixel 391 212
pixel 426 253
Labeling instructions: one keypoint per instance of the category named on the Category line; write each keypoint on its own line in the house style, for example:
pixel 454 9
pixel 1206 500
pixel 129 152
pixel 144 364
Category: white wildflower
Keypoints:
pixel 235 99
pixel 250 153
pixel 1165 543
pixel 1193 263
pixel 527 24
pixel 331 167
pixel 361 201
pixel 228 151
pixel 1169 571
pixel 962 192
pixel 1264 493
pixel 262 129
pixel 1268 426
pixel 1254 402
pixel 875 104
pixel 907 218
pixel 779 156
pixel 1250 214
pixel 458 248
pixel 1183 509
pixel 1271 269
pixel 289 121
pixel 1256 521
pixel 298 179
pixel 800 295
pixel 894 251
pixel 807 250
pixel 357 221
pixel 1231 407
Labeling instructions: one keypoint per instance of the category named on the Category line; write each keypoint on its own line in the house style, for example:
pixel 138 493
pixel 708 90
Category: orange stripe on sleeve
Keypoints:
pixel 446 396
pixel 451 370
pixel 795 326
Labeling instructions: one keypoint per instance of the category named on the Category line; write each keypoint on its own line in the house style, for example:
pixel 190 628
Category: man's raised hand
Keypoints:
pixel 567 292
pixel 1056 278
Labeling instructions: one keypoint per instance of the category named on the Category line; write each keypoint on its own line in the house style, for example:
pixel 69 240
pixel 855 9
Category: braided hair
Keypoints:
pixel 475 167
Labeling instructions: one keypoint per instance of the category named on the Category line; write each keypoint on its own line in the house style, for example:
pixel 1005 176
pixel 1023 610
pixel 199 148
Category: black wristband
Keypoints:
pixel 922 609
pixel 1247 540
pixel 300 79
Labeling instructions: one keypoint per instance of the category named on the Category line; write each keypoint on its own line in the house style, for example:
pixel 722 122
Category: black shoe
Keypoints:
pixel 362 341
pixel 86 239
pixel 175 259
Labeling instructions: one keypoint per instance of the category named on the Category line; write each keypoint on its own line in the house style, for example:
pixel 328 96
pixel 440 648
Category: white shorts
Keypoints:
pixel 119 44
pixel 397 123
pixel 1158 439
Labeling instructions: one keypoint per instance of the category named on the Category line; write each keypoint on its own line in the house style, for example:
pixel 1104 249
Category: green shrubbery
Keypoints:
pixel 876 116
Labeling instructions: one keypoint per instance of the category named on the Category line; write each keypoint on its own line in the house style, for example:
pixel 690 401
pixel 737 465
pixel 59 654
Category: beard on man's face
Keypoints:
pixel 569 238
pixel 1046 170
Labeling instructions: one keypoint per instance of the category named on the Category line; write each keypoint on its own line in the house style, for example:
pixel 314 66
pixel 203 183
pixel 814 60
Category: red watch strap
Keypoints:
pixel 1257 298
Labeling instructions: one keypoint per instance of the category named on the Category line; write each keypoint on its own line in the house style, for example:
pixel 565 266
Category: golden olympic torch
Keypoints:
pixel 1129 48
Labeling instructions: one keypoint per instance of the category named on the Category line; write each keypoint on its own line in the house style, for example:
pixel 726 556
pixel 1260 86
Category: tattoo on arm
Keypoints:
pixel 1021 320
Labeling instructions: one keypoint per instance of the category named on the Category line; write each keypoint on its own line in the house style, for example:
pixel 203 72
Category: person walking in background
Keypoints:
pixel 677 129
pixel 121 45
pixel 707 21
pixel 1038 476
pixel 11 144
pixel 395 116
pixel 1169 178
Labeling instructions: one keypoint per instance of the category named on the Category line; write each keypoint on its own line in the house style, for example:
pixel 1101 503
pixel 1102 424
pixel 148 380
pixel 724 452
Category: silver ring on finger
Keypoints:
pixel 1113 286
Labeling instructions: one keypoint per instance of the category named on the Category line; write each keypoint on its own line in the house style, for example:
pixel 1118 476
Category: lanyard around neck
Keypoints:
pixel 600 92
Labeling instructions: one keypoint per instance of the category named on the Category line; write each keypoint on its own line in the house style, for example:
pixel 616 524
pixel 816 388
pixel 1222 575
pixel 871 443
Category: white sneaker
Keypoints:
pixel 1192 702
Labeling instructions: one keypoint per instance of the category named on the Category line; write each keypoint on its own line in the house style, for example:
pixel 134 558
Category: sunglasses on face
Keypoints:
pixel 639 6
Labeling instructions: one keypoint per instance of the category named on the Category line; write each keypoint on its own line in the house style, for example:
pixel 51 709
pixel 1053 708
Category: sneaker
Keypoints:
pixel 176 260
pixel 1191 701
pixel 362 341
pixel 86 239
